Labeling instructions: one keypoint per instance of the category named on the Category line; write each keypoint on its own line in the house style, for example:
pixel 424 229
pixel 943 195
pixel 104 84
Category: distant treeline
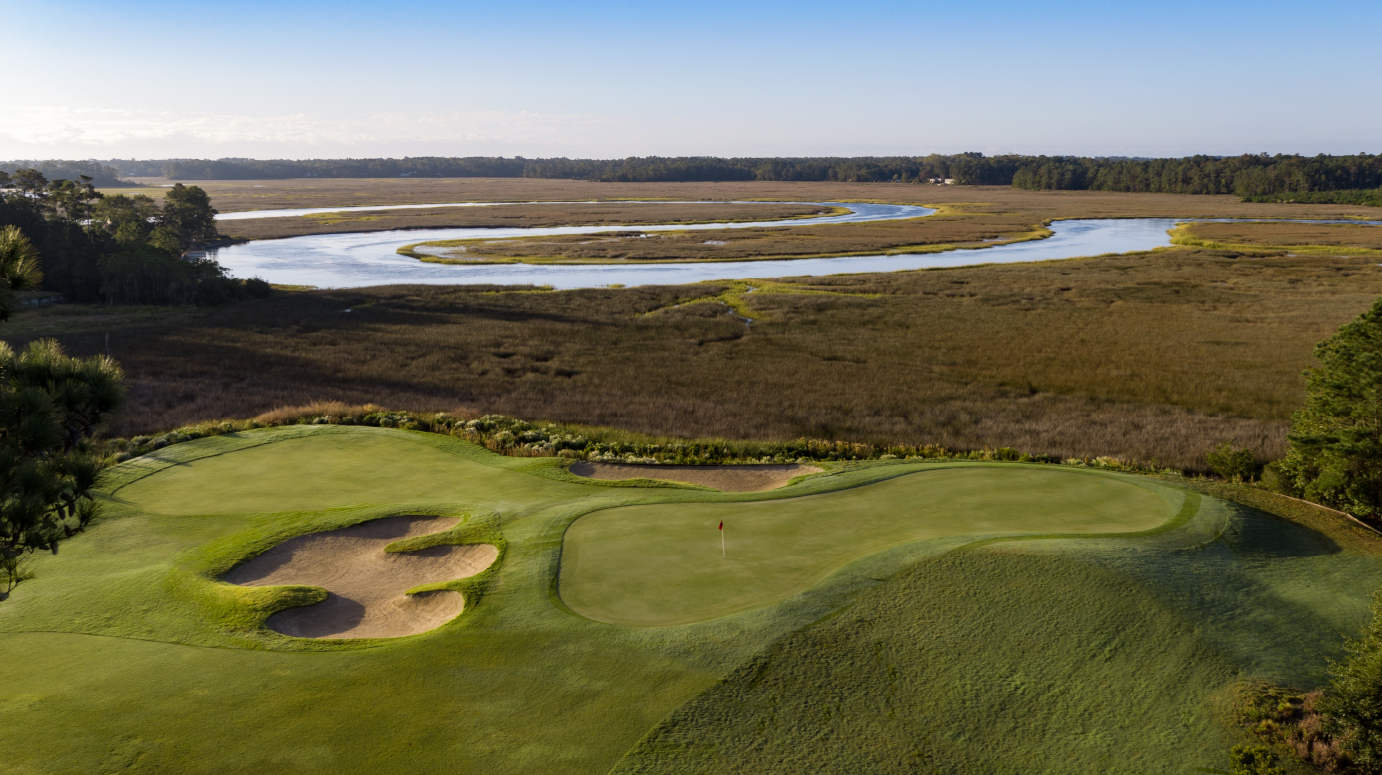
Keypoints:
pixel 1247 176
pixel 965 168
pixel 100 174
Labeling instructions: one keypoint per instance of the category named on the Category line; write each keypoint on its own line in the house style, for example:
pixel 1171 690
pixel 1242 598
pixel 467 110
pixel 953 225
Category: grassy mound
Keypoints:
pixel 1059 657
pixel 974 662
pixel 661 565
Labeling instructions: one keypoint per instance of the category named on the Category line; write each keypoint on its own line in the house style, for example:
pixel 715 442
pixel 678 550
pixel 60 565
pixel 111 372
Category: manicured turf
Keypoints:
pixel 1090 656
pixel 328 471
pixel 124 652
pixel 659 565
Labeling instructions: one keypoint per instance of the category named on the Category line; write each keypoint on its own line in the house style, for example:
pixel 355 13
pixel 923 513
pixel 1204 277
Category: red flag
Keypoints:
pixel 722 524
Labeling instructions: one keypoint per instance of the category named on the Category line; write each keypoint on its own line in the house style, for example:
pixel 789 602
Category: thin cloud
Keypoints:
pixel 98 130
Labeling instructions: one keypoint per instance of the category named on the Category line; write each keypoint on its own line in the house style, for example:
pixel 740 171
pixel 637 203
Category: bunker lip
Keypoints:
pixel 366 586
pixel 741 478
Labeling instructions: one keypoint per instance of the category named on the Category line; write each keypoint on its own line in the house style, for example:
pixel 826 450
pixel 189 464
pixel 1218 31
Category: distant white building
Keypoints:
pixel 941 181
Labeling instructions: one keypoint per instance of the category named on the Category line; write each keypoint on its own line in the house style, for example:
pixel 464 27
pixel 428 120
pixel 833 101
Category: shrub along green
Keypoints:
pixel 514 437
pixel 1253 760
pixel 1352 705
pixel 1289 720
pixel 1231 463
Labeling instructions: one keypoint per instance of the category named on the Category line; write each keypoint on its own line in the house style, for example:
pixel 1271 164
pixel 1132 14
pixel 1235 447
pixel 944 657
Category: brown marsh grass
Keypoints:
pixel 1147 356
pixel 1288 235
pixel 512 216
pixel 963 225
pixel 236 195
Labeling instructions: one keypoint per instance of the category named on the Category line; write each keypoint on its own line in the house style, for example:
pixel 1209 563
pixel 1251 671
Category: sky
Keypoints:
pixel 285 79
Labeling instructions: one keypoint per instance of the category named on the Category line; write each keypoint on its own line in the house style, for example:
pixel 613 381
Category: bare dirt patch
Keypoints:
pixel 751 478
pixel 366 585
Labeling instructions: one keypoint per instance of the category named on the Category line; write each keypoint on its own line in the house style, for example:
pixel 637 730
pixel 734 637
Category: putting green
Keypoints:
pixel 657 565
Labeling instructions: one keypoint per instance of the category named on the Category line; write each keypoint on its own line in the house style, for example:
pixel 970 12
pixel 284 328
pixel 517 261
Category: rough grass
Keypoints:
pixel 661 565
pixel 134 658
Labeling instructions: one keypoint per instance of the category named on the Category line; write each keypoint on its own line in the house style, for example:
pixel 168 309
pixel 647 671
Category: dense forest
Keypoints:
pixel 965 168
pixel 969 168
pixel 1247 176
pixel 100 174
pixel 118 249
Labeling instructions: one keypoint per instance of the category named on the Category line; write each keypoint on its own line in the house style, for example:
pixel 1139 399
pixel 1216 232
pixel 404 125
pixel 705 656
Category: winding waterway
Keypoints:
pixel 364 259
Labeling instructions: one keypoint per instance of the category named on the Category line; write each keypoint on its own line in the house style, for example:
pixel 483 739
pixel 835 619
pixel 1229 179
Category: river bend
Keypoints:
pixel 365 259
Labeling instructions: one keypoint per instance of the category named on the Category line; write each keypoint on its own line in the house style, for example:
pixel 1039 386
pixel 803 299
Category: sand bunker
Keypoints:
pixel 752 478
pixel 366 585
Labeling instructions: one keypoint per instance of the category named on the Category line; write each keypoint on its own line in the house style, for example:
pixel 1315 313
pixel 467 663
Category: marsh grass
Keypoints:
pixel 1158 356
pixel 956 227
pixel 515 216
pixel 1309 238
pixel 238 195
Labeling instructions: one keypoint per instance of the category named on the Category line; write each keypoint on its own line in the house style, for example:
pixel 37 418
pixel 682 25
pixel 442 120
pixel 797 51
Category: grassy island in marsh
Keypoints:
pixel 1312 238
pixel 529 215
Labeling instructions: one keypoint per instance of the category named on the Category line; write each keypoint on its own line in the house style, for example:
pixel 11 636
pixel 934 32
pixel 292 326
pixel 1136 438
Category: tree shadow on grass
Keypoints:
pixel 1253 534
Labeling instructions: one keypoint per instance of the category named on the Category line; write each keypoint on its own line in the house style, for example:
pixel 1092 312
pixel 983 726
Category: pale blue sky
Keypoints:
pixel 310 79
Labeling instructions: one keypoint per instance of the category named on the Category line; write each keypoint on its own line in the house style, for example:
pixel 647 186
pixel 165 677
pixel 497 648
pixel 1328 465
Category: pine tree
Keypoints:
pixel 50 406
pixel 1353 702
pixel 1336 439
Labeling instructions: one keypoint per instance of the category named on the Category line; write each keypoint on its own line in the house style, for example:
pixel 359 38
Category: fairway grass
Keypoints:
pixel 660 565
pixel 323 471
pixel 129 653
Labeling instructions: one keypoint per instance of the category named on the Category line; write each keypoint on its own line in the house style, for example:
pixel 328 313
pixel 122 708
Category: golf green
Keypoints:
pixel 660 564
pixel 132 654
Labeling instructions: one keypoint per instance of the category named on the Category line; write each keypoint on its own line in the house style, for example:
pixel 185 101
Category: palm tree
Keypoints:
pixel 19 267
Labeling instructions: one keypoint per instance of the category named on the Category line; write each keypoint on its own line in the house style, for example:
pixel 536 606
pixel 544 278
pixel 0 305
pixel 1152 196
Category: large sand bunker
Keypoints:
pixel 750 478
pixel 366 585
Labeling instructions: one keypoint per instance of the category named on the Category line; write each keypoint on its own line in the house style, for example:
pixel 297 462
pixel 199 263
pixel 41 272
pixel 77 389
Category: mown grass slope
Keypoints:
pixel 1103 656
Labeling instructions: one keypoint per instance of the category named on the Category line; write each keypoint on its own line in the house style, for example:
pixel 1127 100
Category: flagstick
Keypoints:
pixel 722 543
